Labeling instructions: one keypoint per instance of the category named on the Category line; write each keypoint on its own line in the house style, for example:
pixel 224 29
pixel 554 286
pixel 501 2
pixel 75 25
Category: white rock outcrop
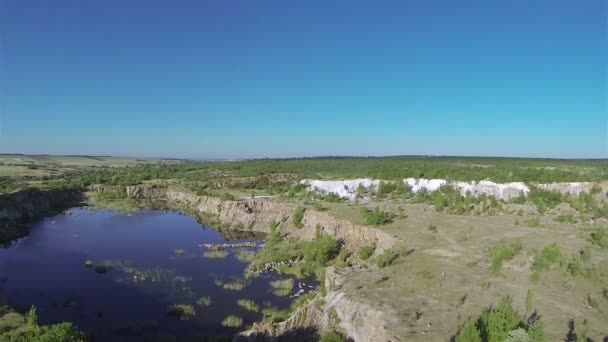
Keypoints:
pixel 348 188
pixel 343 188
pixel 575 188
pixel 430 185
pixel 506 191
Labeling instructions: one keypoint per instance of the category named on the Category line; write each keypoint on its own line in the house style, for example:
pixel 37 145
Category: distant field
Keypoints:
pixel 17 165
pixel 18 159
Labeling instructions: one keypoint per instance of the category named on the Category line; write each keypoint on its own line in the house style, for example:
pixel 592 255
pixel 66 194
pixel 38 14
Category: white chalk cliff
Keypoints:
pixel 507 191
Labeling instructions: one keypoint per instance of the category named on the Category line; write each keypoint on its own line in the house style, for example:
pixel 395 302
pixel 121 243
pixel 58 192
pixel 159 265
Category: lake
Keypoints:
pixel 118 276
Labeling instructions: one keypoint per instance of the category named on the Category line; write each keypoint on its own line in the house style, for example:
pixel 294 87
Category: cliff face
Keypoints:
pixel 337 310
pixel 256 215
pixel 24 206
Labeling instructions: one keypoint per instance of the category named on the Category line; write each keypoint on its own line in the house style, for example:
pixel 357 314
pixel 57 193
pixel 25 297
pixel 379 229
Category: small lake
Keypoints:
pixel 117 275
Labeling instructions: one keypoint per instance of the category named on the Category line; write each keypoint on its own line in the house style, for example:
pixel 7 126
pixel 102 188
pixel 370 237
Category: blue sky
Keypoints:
pixel 253 78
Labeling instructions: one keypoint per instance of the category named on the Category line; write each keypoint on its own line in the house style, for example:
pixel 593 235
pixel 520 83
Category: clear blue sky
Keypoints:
pixel 252 78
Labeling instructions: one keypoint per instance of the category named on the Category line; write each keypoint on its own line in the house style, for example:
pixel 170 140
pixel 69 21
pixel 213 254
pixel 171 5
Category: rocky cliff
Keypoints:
pixel 256 215
pixel 21 207
pixel 337 310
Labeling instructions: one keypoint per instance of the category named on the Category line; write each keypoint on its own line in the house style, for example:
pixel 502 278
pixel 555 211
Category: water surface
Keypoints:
pixel 155 262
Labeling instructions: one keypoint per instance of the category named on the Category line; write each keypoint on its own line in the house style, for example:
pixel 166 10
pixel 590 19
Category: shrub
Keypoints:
pixel 432 228
pixel 386 258
pixel 541 206
pixel 332 198
pixel 569 218
pixel 600 237
pixel 333 336
pixel 549 255
pixel 366 251
pixel 501 323
pixel 376 217
pixel 504 252
pixel 298 216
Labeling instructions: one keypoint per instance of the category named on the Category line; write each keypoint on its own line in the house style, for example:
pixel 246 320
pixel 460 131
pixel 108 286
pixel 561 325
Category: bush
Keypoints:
pixel 501 323
pixel 376 217
pixel 600 237
pixel 366 251
pixel 298 216
pixel 504 252
pixel 543 261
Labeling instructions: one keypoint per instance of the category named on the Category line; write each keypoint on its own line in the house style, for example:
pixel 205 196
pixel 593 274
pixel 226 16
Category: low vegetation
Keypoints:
pixel 183 311
pixel 18 328
pixel 216 253
pixel 204 301
pixel 248 304
pixel 282 287
pixel 366 252
pixel 232 321
pixel 313 255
